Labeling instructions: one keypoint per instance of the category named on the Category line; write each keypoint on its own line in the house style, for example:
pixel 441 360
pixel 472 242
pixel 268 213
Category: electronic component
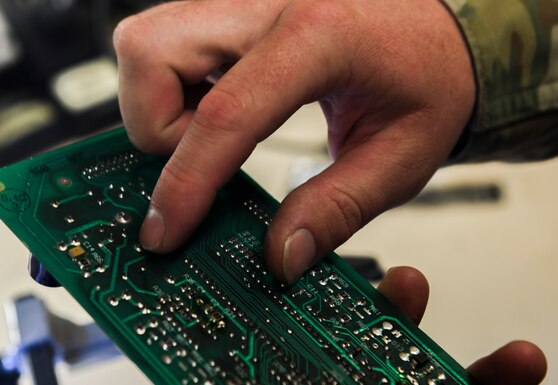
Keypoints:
pixel 209 313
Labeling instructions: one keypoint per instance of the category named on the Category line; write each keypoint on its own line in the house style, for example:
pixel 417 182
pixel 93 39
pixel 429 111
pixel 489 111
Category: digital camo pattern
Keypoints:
pixel 514 44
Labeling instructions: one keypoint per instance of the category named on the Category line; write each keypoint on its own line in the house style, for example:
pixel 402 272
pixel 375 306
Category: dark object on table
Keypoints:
pixel 368 267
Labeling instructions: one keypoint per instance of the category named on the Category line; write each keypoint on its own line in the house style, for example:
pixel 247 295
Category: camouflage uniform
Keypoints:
pixel 514 45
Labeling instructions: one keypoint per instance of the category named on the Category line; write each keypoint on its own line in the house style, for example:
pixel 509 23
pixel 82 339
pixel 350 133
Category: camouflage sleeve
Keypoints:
pixel 514 46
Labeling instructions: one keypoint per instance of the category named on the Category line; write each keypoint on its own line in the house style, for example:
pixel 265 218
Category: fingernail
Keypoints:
pixel 153 229
pixel 299 254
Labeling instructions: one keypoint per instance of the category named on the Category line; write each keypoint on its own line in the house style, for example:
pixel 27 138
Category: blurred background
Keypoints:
pixel 485 235
pixel 58 77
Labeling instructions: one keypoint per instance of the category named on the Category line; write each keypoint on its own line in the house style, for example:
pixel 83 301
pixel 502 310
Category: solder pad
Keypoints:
pixel 208 313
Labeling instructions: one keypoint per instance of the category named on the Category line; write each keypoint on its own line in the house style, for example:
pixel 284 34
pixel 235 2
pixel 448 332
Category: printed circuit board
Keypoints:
pixel 208 313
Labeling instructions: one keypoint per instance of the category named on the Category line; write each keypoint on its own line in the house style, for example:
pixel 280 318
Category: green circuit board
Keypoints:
pixel 208 313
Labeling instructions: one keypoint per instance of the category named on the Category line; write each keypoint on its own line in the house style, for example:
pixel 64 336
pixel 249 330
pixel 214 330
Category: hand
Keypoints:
pixel 394 79
pixel 518 363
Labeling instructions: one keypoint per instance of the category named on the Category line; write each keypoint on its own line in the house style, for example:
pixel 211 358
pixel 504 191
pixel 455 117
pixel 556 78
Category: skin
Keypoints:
pixel 389 129
pixel 395 82
pixel 517 363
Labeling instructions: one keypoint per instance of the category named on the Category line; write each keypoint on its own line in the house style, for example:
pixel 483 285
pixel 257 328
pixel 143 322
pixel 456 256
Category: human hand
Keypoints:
pixel 517 363
pixel 394 79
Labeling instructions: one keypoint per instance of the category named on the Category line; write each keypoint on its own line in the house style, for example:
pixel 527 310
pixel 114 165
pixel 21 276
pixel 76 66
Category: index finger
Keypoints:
pixel 255 96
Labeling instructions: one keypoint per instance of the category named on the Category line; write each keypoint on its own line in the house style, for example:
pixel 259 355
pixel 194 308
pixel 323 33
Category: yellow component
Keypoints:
pixel 2 186
pixel 76 252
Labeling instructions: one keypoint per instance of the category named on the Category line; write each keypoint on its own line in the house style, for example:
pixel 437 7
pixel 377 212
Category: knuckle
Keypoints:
pixel 349 214
pixel 223 108
pixel 121 33
pixel 323 14
pixel 148 141
pixel 174 176
pixel 129 37
pixel 141 140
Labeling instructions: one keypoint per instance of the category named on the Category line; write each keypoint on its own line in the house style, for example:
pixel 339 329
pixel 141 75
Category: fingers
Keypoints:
pixel 254 97
pixel 294 56
pixel 170 47
pixel 375 175
pixel 150 91
pixel 408 290
pixel 388 133
pixel 518 363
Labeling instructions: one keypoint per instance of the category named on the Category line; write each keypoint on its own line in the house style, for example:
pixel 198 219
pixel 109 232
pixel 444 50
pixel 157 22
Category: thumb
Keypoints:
pixel 248 103
pixel 517 363
pixel 318 216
